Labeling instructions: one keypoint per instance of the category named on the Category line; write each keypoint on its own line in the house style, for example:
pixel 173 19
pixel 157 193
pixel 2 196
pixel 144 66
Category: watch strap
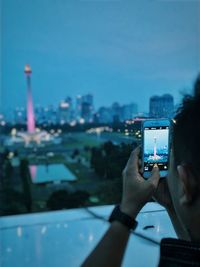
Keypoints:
pixel 125 219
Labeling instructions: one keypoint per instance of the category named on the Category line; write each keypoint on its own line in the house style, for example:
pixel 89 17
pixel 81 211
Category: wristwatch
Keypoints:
pixel 118 215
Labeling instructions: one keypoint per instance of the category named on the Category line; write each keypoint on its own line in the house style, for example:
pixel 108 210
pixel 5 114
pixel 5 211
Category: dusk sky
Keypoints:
pixel 118 50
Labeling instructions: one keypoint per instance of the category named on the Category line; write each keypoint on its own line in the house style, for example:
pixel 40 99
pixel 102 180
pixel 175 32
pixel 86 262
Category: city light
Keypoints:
pixel 81 121
pixel 64 105
pixel 11 155
pixel 73 123
pixel 99 130
pixel 13 132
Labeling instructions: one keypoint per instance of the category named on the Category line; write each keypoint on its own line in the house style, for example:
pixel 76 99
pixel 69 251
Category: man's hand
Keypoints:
pixel 162 195
pixel 136 190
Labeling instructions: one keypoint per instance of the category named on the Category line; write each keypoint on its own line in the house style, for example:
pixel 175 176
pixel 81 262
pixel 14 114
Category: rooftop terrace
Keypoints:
pixel 64 238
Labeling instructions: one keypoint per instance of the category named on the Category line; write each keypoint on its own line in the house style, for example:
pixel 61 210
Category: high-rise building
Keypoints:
pixel 161 106
pixel 128 111
pixel 66 110
pixel 78 107
pixel 116 111
pixel 105 115
pixel 46 115
pixel 87 99
pixel 87 108
pixel 168 105
pixel 86 112
pixel 84 108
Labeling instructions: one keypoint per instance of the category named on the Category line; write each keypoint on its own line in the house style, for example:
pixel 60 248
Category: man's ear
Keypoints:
pixel 188 185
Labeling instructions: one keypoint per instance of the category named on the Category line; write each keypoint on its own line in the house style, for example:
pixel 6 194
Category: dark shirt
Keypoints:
pixel 176 253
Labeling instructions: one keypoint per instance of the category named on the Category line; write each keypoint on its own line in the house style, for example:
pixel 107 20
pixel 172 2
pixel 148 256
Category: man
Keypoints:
pixel 180 195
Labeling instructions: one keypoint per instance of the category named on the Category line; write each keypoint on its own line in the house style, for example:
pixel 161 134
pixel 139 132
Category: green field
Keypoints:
pixel 80 140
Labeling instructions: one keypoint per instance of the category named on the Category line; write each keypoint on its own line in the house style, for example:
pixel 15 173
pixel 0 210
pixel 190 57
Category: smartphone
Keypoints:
pixel 155 147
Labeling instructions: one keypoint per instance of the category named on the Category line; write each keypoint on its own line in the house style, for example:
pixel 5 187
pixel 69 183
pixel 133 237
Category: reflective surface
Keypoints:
pixel 51 173
pixel 65 238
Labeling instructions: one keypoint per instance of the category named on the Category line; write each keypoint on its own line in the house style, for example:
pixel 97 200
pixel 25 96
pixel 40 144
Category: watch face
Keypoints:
pixel 118 215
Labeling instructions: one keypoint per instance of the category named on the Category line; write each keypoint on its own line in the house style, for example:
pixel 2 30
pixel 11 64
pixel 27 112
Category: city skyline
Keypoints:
pixel 63 99
pixel 82 107
pixel 73 102
pixel 84 111
pixel 103 47
pixel 86 102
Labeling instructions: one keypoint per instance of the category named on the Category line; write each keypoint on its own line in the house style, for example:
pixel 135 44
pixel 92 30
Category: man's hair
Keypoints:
pixel 186 131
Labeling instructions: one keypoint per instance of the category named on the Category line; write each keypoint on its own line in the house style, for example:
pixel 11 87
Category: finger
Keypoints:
pixel 132 164
pixel 140 162
pixel 163 182
pixel 155 177
pixel 140 166
pixel 133 160
pixel 131 157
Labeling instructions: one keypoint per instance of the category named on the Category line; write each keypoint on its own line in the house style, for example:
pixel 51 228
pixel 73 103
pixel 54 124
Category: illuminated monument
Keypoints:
pixel 155 149
pixel 155 156
pixel 32 135
pixel 30 110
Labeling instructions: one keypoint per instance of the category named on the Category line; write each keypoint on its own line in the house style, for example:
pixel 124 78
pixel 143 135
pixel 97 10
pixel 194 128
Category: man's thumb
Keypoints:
pixel 155 176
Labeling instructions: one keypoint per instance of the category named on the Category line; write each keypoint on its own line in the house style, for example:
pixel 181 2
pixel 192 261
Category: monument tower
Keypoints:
pixel 155 149
pixel 30 109
pixel 32 135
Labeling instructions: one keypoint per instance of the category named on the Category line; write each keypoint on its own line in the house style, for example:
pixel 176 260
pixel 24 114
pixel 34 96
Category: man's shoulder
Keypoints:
pixel 176 252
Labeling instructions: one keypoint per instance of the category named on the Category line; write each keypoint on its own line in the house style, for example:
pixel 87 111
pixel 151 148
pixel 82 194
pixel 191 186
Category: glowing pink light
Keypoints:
pixel 155 149
pixel 30 110
pixel 33 171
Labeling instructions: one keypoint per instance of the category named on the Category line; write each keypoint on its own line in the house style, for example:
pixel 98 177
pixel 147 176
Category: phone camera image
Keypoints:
pixel 156 147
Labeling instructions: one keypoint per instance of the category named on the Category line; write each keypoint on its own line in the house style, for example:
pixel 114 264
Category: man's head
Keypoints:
pixel 184 173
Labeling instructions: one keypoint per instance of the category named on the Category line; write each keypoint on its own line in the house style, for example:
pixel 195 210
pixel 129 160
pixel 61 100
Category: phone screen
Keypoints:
pixel 156 147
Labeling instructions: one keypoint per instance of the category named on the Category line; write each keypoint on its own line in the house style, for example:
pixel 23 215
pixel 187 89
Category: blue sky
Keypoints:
pixel 117 50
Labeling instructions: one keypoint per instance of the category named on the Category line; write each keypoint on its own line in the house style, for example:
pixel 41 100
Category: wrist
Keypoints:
pixel 123 218
pixel 118 226
pixel 130 210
